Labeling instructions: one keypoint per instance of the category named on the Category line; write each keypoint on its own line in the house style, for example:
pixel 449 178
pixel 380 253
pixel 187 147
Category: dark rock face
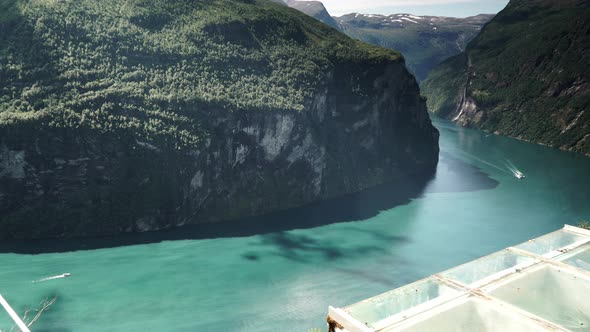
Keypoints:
pixel 364 126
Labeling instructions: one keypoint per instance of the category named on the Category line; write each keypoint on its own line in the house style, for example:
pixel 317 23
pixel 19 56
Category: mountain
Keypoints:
pixel 138 115
pixel 526 75
pixel 314 9
pixel 425 41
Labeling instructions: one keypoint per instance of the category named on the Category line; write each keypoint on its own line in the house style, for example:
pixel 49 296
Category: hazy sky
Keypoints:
pixel 456 8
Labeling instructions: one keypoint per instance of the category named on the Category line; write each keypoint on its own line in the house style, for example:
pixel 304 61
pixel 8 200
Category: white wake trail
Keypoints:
pixel 468 155
pixel 53 277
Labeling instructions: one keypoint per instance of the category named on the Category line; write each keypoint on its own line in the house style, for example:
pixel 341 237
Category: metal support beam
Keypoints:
pixel 19 322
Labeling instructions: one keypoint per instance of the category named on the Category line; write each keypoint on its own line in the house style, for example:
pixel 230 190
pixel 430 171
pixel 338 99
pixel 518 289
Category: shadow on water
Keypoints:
pixel 456 176
pixel 302 248
pixel 50 319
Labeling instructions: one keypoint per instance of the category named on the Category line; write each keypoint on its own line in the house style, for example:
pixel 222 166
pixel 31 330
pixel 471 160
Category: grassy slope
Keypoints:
pixel 530 70
pixel 154 68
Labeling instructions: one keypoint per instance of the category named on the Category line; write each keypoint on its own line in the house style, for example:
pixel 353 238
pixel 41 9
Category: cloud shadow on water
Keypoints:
pixel 52 319
pixel 458 177
pixel 301 248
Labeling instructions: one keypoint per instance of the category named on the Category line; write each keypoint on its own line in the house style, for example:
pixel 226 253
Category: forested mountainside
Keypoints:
pixel 137 115
pixel 527 75
pixel 425 41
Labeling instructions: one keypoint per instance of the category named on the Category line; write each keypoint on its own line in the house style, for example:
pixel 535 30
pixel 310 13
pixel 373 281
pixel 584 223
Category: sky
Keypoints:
pixel 454 8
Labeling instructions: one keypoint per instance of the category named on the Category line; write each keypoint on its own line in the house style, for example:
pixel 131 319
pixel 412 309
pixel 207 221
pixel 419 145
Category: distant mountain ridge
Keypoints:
pixel 527 75
pixel 314 9
pixel 425 41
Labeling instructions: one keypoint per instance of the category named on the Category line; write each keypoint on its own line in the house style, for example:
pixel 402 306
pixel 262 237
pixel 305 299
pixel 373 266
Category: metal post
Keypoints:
pixel 19 322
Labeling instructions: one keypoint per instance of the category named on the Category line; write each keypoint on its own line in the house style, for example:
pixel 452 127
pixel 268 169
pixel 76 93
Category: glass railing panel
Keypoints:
pixel 473 315
pixel 551 242
pixel 579 258
pixel 550 293
pixel 388 304
pixel 487 266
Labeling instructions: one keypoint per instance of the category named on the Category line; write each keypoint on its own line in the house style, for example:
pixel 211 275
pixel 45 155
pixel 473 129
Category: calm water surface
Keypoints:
pixel 270 278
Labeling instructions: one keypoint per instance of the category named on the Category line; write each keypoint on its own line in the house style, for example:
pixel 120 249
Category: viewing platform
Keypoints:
pixel 540 285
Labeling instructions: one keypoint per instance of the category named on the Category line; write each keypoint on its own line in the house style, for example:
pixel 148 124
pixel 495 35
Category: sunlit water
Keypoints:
pixel 275 278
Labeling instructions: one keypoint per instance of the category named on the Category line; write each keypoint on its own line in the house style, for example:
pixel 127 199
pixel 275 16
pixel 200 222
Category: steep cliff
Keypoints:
pixel 121 116
pixel 526 75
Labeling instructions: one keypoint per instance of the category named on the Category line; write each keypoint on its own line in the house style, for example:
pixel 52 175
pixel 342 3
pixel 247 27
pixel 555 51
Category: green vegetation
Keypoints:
pixel 424 41
pixel 154 69
pixel 585 224
pixel 528 73
pixel 445 85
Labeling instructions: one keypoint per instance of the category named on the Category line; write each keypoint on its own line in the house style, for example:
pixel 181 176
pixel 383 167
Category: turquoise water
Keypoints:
pixel 272 278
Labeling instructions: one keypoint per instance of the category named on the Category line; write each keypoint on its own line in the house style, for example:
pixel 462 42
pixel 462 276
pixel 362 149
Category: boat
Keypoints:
pixel 63 275
pixel 519 175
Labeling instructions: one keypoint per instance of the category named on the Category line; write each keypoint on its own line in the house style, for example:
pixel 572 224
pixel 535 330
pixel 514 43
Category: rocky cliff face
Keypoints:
pixel 526 76
pixel 363 123
pixel 72 183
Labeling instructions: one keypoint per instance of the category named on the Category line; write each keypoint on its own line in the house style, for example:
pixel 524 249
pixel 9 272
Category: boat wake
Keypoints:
pixel 508 168
pixel 517 174
pixel 473 157
pixel 53 277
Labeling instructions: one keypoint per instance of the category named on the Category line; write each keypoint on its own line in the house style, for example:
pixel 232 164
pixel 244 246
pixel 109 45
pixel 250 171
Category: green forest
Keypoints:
pixel 527 72
pixel 154 69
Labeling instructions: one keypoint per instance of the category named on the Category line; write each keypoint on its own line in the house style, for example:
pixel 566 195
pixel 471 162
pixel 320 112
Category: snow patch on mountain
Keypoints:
pixel 408 19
